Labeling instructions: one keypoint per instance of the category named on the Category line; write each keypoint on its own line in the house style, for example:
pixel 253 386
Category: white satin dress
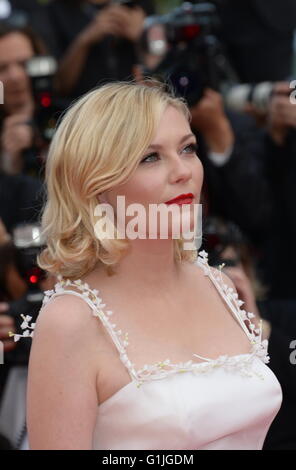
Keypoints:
pixel 223 403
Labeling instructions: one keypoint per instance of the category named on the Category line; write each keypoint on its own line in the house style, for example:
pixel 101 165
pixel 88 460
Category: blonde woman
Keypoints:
pixel 141 345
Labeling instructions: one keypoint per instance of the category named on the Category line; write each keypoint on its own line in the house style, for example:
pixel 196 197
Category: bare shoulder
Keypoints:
pixel 67 323
pixel 62 398
pixel 64 312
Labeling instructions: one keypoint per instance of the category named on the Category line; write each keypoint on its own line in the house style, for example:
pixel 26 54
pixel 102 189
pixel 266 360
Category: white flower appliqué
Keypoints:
pixel 241 363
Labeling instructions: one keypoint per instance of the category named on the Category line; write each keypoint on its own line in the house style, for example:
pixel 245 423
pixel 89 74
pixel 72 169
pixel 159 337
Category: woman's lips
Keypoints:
pixel 181 201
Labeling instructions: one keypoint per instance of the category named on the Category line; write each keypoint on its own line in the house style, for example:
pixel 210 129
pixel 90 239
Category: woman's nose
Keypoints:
pixel 180 170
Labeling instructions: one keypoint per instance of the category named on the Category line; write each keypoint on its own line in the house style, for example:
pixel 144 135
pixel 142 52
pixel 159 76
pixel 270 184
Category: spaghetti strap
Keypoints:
pixel 90 296
pixel 230 297
pixel 241 363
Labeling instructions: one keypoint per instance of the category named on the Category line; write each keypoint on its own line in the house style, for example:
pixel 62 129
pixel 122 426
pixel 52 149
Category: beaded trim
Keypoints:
pixel 231 298
pixel 241 363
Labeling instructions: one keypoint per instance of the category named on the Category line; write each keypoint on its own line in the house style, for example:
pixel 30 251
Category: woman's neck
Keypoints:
pixel 149 263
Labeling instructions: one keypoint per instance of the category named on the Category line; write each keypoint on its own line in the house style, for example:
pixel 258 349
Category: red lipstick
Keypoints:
pixel 181 199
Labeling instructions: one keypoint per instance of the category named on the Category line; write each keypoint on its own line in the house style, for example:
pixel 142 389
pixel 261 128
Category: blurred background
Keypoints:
pixel 234 63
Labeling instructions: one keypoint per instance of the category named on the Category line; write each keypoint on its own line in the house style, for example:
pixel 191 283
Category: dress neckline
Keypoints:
pixel 241 362
pixel 245 359
pixel 165 368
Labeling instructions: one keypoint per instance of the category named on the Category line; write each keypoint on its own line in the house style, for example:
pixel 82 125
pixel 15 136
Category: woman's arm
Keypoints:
pixel 61 395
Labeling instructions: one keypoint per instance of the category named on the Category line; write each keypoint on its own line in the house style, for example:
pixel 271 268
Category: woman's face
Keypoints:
pixel 169 167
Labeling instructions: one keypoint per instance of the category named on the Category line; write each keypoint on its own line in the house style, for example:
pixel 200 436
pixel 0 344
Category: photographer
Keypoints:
pixel 7 279
pixel 21 293
pixel 257 186
pixel 230 148
pixel 95 40
pixel 280 145
pixel 18 134
pixel 21 198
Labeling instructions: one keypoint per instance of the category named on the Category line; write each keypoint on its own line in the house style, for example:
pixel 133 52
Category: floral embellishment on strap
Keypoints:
pixel 91 296
pixel 241 363
pixel 231 298
pixel 24 326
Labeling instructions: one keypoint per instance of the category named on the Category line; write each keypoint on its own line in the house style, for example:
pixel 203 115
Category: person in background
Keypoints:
pixel 15 297
pixel 255 185
pixel 95 40
pixel 17 46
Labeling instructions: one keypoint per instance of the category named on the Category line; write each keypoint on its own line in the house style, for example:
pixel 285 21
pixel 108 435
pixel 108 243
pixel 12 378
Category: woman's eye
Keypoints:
pixel 191 148
pixel 152 155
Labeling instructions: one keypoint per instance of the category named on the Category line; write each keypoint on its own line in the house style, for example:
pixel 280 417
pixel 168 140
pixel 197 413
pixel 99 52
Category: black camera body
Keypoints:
pixel 28 243
pixel 41 70
pixel 195 59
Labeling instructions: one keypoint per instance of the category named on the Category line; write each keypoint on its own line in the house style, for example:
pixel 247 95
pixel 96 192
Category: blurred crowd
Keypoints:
pixel 234 62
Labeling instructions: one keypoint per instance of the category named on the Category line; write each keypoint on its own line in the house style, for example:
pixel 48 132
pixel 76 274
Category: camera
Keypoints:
pixel 48 108
pixel 194 58
pixel 41 70
pixel 258 95
pixel 28 242
pixel 218 235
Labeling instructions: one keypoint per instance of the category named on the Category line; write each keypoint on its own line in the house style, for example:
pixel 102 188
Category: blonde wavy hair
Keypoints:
pixel 97 146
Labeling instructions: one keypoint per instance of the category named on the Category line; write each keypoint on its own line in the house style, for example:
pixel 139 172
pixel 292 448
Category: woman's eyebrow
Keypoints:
pixel 157 146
